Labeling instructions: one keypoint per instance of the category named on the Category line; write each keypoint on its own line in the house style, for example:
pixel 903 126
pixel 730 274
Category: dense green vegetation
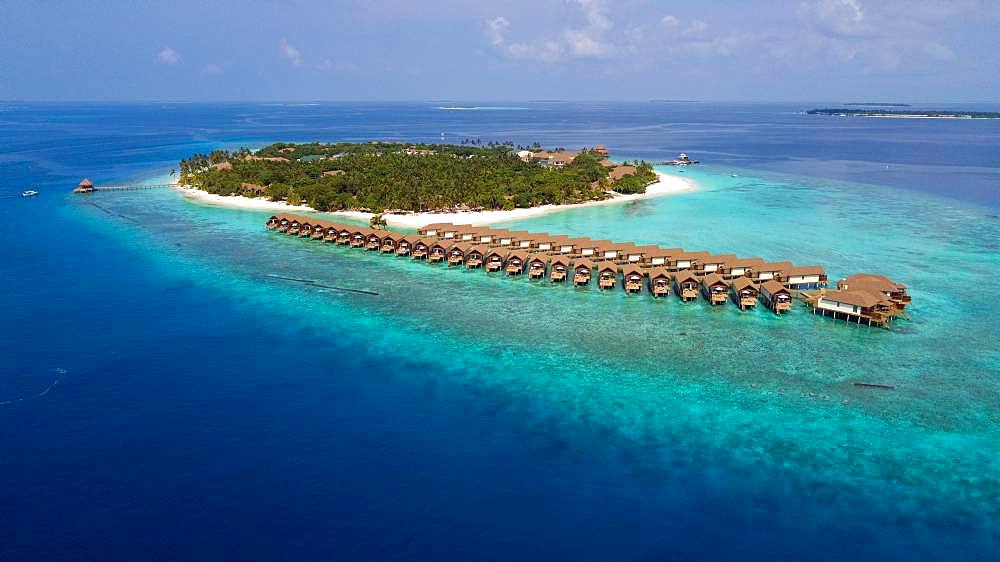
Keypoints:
pixel 906 113
pixel 385 176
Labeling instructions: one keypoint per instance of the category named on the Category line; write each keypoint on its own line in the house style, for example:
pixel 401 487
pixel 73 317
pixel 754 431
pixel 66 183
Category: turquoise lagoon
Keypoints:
pixel 463 414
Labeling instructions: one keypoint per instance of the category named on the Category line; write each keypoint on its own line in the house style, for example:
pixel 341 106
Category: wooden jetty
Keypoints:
pixel 874 300
pixel 87 186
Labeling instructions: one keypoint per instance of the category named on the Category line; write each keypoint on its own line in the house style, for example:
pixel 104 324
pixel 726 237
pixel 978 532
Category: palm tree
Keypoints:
pixel 377 222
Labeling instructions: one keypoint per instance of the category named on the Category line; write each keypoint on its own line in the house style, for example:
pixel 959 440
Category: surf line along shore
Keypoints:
pixel 665 185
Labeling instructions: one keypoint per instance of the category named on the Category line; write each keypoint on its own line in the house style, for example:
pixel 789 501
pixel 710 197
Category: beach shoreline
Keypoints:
pixel 665 185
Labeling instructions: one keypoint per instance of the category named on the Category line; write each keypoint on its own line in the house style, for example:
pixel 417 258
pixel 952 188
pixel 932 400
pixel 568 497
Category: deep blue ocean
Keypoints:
pixel 163 396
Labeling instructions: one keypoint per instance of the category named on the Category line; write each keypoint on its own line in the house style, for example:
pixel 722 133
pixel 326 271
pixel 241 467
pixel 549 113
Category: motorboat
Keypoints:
pixel 29 193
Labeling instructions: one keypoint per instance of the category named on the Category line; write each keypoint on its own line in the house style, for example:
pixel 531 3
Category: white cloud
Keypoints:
pixel 498 27
pixel 588 41
pixel 211 68
pixel 837 17
pixel 168 56
pixel 290 52
pixel 670 21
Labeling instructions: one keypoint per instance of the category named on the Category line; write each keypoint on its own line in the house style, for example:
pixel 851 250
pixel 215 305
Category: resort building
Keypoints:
pixel 437 251
pixel 85 186
pixel 861 298
pixel 895 292
pixel 607 275
pixel 373 242
pixel 740 267
pixel 474 257
pixel 456 253
pixel 421 249
pixel 776 296
pixel 769 270
pixel 713 264
pixel 560 265
pixel 715 289
pixel 536 265
pixel 495 259
pixel 404 245
pixel 659 282
pixel 686 285
pixel 804 277
pixel 859 306
pixel 582 270
pixel 632 277
pixel 515 262
pixel 686 260
pixel 744 292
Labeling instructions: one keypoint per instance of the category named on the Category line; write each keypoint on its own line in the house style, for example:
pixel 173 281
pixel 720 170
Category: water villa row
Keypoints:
pixel 719 279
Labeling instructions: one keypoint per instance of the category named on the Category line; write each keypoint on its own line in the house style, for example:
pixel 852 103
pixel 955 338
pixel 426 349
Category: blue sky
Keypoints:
pixel 918 50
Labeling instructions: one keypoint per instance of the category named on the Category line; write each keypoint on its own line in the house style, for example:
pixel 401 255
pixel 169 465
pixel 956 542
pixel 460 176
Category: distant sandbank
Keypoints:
pixel 665 185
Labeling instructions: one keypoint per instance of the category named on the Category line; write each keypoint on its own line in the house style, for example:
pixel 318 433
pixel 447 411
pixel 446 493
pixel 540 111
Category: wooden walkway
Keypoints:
pixel 130 187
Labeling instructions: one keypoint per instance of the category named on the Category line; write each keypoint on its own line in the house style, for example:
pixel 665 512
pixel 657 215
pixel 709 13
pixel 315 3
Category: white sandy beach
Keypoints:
pixel 666 185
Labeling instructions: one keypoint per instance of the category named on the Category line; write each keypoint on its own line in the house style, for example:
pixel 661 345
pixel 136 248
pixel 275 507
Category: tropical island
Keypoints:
pixel 378 177
pixel 903 114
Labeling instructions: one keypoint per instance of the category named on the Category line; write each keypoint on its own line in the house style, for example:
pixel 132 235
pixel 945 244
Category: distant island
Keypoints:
pixel 377 177
pixel 903 114
pixel 876 104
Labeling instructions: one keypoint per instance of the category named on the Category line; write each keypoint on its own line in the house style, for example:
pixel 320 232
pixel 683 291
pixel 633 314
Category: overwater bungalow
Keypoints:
pixel 607 275
pixel 631 254
pixel 660 257
pixel 306 230
pixel 373 241
pixel 776 296
pixel 437 251
pixel 504 238
pixel 434 229
pixel 562 245
pixel 687 260
pixel 331 234
pixel 358 237
pixel 421 248
pixel 582 270
pixel 515 262
pixel 474 256
pixel 659 282
pixel 344 235
pixel 632 277
pixel 685 285
pixel 495 259
pixel 521 239
pixel 895 292
pixel 404 245
pixel 804 277
pixel 586 248
pixel 714 288
pixel 456 253
pixel 272 223
pixel 639 255
pixel 543 242
pixel 611 251
pixel 713 264
pixel 560 265
pixel 293 227
pixel 740 267
pixel 860 306
pixel 318 231
pixel 769 270
pixel 389 242
pixel 744 292
pixel 536 265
